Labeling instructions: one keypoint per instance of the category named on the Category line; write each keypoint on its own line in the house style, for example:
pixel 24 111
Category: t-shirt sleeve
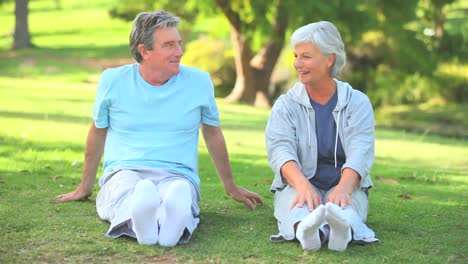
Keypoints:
pixel 210 114
pixel 101 103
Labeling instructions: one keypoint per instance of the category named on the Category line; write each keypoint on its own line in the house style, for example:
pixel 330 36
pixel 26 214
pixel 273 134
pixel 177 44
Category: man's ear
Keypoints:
pixel 142 50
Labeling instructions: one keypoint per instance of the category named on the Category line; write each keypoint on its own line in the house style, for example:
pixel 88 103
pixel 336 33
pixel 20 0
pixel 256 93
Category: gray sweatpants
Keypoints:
pixel 287 218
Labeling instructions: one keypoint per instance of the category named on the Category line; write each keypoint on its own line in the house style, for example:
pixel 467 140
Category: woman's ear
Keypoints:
pixel 331 60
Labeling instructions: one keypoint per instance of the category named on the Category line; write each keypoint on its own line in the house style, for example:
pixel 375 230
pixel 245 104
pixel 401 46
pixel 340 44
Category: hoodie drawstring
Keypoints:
pixel 336 137
pixel 306 112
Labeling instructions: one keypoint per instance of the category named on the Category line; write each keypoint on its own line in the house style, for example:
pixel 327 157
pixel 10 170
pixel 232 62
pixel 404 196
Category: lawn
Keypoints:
pixel 418 206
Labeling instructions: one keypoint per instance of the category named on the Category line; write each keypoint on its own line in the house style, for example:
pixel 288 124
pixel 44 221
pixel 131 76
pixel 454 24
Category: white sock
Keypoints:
pixel 340 229
pixel 177 205
pixel 144 205
pixel 360 230
pixel 308 230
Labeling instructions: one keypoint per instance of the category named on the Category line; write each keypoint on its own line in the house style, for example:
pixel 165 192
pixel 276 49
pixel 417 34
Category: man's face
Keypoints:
pixel 165 55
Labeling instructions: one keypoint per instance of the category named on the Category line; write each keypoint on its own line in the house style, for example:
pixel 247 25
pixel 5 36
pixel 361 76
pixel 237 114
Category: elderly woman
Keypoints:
pixel 320 143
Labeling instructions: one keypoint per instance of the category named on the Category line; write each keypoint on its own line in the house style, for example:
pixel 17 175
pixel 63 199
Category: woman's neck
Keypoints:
pixel 322 92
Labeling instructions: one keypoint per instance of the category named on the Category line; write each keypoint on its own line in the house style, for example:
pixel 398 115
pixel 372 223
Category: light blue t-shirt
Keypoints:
pixel 154 126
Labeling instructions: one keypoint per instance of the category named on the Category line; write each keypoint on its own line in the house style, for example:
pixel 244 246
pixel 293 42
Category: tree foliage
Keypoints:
pixel 391 44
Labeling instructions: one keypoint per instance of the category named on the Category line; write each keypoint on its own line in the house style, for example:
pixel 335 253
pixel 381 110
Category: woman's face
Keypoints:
pixel 312 67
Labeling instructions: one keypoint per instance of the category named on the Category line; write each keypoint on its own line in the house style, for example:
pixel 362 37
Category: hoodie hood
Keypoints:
pixel 299 94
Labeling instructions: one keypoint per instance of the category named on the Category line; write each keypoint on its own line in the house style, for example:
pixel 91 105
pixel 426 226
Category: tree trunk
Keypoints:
pixel 22 38
pixel 243 90
pixel 439 26
pixel 254 73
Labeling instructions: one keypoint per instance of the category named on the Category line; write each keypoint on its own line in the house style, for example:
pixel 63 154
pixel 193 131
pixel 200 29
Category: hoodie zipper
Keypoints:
pixel 307 113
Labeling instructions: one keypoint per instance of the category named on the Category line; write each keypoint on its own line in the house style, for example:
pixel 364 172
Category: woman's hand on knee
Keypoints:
pixel 340 198
pixel 306 195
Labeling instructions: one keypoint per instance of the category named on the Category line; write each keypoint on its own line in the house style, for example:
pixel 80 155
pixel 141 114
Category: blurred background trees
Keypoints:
pixel 399 51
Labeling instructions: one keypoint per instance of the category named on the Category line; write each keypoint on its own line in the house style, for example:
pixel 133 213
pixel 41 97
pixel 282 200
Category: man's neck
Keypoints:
pixel 153 77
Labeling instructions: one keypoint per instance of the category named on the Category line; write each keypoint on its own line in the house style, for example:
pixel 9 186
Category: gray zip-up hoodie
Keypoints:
pixel 291 135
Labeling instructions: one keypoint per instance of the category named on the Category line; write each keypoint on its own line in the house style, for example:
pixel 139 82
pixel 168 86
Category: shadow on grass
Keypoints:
pixel 68 54
pixel 46 116
pixel 402 135
pixel 56 32
pixel 54 99
pixel 410 168
pixel 20 144
pixel 63 60
pixel 57 6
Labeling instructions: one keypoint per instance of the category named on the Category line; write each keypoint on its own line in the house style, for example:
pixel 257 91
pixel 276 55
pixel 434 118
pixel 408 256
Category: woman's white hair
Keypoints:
pixel 326 37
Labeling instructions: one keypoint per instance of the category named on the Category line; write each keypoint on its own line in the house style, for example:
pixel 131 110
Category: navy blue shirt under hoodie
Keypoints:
pixel 327 176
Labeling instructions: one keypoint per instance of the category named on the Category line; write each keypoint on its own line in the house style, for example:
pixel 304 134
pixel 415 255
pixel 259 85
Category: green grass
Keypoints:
pixel 418 207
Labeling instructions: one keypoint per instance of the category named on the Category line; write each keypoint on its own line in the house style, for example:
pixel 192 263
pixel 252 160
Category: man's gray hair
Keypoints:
pixel 143 28
pixel 326 37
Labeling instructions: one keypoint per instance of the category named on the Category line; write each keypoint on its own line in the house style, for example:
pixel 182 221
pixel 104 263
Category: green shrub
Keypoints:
pixel 215 57
pixel 391 87
pixel 453 80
